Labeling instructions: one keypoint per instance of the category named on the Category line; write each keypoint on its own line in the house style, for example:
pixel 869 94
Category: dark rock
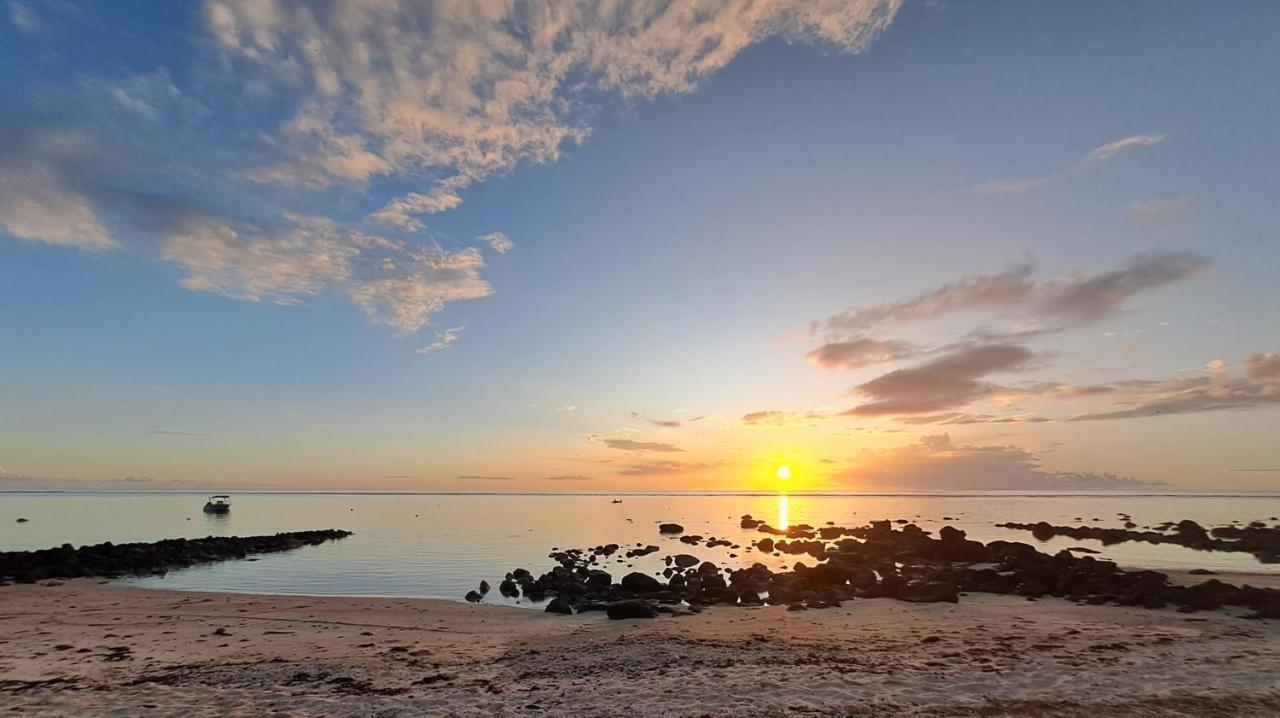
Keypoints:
pixel 640 583
pixel 484 587
pixel 473 597
pixel 560 605
pixel 931 592
pixel 631 609
pixel 684 560
pixel 670 528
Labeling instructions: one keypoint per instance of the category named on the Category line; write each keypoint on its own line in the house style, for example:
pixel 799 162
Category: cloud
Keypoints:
pixel 443 340
pixel 661 468
pixel 665 423
pixel 23 17
pixel 567 408
pixel 1165 211
pixel 934 463
pixel 1258 386
pixel 458 92
pixel 477 477
pixel 950 381
pixel 39 201
pixel 1091 159
pixel 776 418
pixel 1068 300
pixel 167 432
pixel 419 285
pixel 632 445
pixel 858 353
pixel 497 241
pixel 255 262
pixel 10 482
pixel 566 477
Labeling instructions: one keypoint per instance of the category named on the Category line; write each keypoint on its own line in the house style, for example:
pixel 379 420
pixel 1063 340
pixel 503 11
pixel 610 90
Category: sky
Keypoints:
pixel 604 246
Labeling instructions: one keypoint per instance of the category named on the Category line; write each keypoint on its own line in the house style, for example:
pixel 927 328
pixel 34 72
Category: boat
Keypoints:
pixel 617 501
pixel 218 504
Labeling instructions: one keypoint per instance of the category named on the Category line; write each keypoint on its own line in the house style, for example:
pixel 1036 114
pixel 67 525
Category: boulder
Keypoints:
pixel 560 605
pixel 670 528
pixel 636 582
pixel 631 609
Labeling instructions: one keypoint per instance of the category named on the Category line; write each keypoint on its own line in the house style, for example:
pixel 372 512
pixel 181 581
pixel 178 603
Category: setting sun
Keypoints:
pixel 784 473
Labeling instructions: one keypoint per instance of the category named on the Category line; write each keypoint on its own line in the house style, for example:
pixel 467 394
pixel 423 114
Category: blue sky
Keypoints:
pixel 226 245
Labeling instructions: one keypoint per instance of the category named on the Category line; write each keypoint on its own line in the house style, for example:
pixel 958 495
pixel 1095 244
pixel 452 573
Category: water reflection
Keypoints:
pixel 784 511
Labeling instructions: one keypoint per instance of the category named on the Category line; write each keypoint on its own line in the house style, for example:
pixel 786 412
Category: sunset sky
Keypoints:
pixel 604 246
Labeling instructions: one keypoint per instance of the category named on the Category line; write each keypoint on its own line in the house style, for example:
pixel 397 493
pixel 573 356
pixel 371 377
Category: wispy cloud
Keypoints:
pixel 23 17
pixel 936 463
pixel 780 418
pixel 622 444
pixel 1070 300
pixel 443 340
pixel 665 423
pixel 479 477
pixel 566 477
pixel 1089 160
pixel 169 432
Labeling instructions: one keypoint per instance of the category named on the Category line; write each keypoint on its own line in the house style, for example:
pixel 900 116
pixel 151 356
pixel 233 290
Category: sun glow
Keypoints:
pixel 784 473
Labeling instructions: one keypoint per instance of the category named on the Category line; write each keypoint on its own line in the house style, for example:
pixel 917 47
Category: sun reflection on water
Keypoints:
pixel 784 511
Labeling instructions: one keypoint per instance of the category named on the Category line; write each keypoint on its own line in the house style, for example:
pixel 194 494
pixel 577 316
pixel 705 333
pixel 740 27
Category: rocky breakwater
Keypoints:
pixel 108 560
pixel 1255 538
pixel 865 562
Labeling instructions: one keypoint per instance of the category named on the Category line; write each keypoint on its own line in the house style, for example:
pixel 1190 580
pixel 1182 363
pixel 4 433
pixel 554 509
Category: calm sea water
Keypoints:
pixel 441 545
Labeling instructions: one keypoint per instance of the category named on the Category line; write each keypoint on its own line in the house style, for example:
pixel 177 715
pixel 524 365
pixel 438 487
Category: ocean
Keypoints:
pixel 441 545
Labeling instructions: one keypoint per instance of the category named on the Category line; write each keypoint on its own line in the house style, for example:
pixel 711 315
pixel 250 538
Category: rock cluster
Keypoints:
pixel 874 561
pixel 110 560
pixel 1256 538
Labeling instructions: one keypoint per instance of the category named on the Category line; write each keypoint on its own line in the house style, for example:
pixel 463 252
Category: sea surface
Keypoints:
pixel 442 545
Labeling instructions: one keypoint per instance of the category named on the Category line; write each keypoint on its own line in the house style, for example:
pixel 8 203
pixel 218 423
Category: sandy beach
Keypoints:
pixel 89 648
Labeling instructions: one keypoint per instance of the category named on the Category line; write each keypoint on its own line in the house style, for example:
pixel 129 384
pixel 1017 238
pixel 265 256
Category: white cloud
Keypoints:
pixel 1092 158
pixel 255 263
pixel 443 340
pixel 395 286
pixel 37 201
pixel 456 92
pixel 420 285
pixel 497 241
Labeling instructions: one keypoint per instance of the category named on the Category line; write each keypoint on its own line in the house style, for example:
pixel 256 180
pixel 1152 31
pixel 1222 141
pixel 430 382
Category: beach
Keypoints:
pixel 84 647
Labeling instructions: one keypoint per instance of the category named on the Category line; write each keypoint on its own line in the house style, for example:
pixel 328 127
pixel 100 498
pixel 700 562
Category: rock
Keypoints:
pixel 640 583
pixel 484 587
pixel 631 609
pixel 1202 572
pixel 22 520
pixel 684 560
pixel 509 589
pixel 599 581
pixel 797 607
pixel 560 605
pixel 749 523
pixel 931 592
pixel 473 597
pixel 670 528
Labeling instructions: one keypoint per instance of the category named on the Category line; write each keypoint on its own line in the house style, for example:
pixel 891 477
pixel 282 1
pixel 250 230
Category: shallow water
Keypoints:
pixel 441 545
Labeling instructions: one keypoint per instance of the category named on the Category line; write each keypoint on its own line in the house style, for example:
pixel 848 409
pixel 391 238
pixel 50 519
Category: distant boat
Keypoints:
pixel 617 501
pixel 218 504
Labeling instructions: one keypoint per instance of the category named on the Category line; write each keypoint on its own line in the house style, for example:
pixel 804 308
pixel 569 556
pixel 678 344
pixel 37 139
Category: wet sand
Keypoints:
pixel 84 648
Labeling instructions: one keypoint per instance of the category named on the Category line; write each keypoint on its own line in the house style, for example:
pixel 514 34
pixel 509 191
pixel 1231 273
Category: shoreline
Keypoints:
pixel 74 647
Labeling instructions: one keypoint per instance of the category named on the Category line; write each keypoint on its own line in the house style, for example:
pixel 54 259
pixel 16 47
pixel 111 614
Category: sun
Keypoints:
pixel 784 473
